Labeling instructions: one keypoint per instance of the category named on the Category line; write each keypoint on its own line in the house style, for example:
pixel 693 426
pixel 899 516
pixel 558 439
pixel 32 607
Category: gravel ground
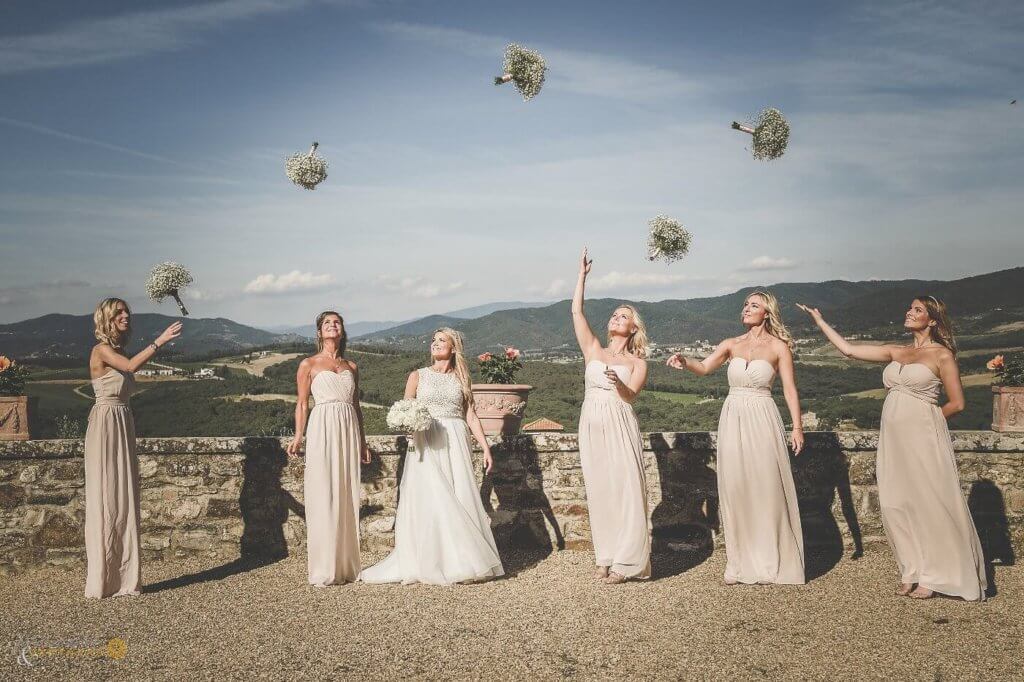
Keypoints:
pixel 550 620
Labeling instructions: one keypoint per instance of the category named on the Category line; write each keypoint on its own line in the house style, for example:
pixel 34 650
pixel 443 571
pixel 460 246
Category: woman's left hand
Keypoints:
pixel 613 377
pixel 488 461
pixel 796 439
pixel 365 454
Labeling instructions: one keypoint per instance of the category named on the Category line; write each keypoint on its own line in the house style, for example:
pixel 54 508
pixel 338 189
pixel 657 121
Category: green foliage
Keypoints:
pixel 1009 369
pixel 500 368
pixel 12 377
pixel 66 426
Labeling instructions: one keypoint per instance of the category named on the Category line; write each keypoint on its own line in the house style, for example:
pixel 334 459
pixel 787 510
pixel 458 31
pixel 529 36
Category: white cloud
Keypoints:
pixel 585 73
pixel 417 287
pixel 288 282
pixel 128 35
pixel 770 263
pixel 633 281
pixel 194 294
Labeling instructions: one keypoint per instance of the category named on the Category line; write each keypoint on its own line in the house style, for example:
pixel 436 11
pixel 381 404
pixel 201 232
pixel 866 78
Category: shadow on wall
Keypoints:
pixel 264 506
pixel 684 522
pixel 821 472
pixel 523 515
pixel 989 513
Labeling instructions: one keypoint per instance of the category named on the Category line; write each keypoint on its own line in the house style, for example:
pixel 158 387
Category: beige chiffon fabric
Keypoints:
pixel 924 513
pixel 331 480
pixel 756 495
pixel 611 454
pixel 112 517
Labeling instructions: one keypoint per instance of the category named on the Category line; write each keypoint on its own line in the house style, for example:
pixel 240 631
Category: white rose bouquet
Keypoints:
pixel 771 134
pixel 525 68
pixel 409 416
pixel 168 279
pixel 667 240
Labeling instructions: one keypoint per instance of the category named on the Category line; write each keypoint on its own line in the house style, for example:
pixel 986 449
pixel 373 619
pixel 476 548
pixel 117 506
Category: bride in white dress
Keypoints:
pixel 442 532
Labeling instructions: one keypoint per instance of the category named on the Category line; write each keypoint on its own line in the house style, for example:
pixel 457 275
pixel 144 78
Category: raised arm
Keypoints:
pixel 589 343
pixel 302 382
pixel 858 351
pixel 787 374
pixel 949 372
pixel 722 352
pixel 111 358
pixel 364 449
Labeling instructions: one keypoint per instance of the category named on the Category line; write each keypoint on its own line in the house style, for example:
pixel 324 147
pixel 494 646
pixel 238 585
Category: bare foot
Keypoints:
pixel 601 573
pixel 922 593
pixel 614 578
pixel 904 589
pixel 730 581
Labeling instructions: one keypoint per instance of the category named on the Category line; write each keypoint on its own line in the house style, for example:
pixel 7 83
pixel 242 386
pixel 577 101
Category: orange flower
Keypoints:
pixel 484 357
pixel 5 362
pixel 996 363
pixel 511 353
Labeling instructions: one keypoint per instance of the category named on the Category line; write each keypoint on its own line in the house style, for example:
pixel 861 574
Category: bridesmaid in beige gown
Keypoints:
pixel 611 449
pixel 924 513
pixel 112 515
pixel 335 446
pixel 756 494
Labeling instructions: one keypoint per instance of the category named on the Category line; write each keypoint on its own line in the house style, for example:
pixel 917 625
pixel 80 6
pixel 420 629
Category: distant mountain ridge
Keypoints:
pixel 873 306
pixel 71 336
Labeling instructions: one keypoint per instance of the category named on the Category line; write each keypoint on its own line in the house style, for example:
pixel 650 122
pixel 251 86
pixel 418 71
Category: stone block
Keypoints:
pixel 60 531
pixel 11 496
pixel 29 474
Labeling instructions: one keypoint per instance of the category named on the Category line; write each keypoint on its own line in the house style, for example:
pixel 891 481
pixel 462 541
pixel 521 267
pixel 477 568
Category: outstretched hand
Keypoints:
pixel 676 361
pixel 172 332
pixel 585 263
pixel 813 312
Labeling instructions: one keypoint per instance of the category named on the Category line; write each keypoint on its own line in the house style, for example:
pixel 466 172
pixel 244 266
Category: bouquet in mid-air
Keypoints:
pixel 523 67
pixel 667 240
pixel 771 134
pixel 306 170
pixel 409 416
pixel 167 280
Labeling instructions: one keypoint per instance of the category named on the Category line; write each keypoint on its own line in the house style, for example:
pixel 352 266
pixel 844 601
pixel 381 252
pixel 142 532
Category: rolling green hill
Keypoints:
pixel 978 304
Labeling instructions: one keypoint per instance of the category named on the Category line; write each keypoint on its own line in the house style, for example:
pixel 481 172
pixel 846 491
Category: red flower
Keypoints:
pixel 484 357
pixel 512 353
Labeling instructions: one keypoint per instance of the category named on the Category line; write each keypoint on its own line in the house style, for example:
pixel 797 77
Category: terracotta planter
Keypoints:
pixel 1008 408
pixel 13 417
pixel 500 406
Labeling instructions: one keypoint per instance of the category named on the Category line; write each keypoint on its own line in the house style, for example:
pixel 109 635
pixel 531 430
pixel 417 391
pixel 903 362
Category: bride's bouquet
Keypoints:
pixel 409 416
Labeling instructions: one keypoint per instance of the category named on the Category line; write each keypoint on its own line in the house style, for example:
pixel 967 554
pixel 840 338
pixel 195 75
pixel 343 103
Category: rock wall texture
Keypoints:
pixel 241 498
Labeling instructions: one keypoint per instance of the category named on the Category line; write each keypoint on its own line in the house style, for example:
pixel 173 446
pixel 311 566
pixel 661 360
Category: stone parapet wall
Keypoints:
pixel 228 498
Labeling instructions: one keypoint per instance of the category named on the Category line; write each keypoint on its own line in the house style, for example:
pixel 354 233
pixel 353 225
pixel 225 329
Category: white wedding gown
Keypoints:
pixel 442 532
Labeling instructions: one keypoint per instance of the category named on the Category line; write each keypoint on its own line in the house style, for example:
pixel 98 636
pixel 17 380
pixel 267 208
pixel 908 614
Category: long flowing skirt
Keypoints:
pixel 611 454
pixel 924 513
pixel 112 514
pixel 756 494
pixel 442 531
pixel 332 494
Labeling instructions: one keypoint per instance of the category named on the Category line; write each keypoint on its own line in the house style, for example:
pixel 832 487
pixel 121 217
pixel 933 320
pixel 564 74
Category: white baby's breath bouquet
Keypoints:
pixel 667 240
pixel 409 416
pixel 168 279
pixel 525 68
pixel 306 170
pixel 771 134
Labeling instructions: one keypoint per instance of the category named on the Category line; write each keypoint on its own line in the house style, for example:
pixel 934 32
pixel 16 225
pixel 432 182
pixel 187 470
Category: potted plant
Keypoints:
pixel 500 404
pixel 1008 401
pixel 13 401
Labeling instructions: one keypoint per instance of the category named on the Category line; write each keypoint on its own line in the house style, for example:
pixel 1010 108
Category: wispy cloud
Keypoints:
pixel 288 282
pixel 38 291
pixel 769 263
pixel 130 35
pixel 581 72
pixel 417 287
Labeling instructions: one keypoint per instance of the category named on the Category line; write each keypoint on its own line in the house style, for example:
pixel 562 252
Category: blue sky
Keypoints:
pixel 137 132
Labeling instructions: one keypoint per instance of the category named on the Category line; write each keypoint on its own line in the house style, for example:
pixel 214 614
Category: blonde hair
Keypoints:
pixel 942 332
pixel 103 318
pixel 773 323
pixel 458 359
pixel 342 342
pixel 636 344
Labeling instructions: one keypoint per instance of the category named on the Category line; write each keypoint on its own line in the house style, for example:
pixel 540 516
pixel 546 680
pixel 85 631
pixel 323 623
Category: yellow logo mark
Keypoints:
pixel 117 648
